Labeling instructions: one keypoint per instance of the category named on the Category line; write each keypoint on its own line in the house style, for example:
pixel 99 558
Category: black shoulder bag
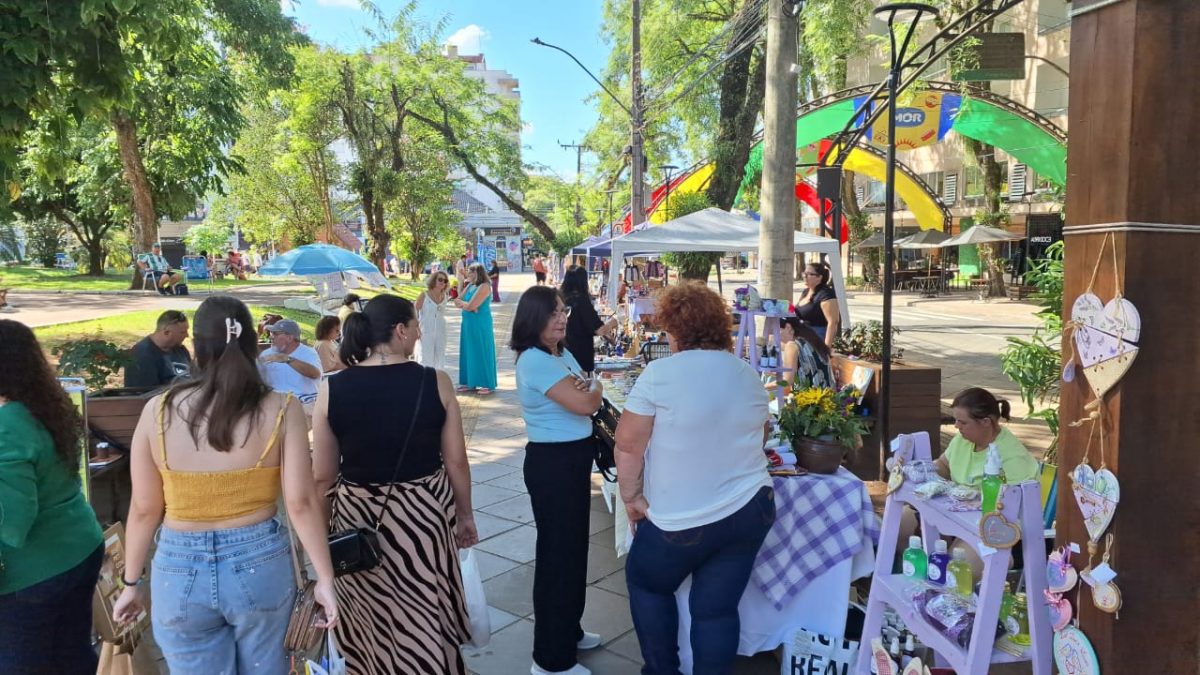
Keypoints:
pixel 357 550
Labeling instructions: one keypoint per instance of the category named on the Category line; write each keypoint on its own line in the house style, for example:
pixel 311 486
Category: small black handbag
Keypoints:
pixel 604 435
pixel 357 550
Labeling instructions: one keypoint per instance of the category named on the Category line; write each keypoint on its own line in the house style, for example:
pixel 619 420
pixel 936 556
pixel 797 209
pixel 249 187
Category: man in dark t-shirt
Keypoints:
pixel 160 358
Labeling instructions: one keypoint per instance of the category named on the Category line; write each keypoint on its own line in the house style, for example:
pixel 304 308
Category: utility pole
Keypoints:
pixel 578 148
pixel 637 162
pixel 776 234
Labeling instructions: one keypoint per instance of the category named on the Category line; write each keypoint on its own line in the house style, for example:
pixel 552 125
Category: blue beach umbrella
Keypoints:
pixel 315 260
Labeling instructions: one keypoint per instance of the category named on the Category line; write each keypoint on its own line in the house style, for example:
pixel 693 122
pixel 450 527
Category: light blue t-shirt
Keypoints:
pixel 545 420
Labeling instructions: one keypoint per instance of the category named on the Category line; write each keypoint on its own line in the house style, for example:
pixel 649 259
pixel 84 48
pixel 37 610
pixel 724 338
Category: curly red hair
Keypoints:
pixel 695 316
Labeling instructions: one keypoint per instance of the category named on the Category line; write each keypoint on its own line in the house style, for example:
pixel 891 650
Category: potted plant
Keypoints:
pixel 822 425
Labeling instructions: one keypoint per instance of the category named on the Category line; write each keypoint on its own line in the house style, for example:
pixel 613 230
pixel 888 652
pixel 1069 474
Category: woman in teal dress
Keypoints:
pixel 477 351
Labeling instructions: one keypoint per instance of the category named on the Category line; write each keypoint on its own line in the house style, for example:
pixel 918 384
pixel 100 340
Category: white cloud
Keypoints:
pixel 527 129
pixel 469 39
pixel 346 4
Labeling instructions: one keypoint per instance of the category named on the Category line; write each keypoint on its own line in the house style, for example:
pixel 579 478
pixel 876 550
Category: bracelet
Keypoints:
pixel 128 584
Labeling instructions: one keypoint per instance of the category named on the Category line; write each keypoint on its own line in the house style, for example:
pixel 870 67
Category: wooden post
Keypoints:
pixel 1135 140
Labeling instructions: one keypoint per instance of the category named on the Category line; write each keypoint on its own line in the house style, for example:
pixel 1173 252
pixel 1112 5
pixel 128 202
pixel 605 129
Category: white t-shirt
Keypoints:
pixel 282 377
pixel 705 459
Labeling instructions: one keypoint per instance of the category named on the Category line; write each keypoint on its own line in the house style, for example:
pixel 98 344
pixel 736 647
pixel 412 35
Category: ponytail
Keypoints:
pixel 1005 410
pixel 356 339
pixel 981 403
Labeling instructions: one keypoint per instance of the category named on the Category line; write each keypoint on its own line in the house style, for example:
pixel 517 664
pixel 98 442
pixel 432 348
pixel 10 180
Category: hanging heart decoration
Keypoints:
pixel 1060 574
pixel 997 531
pixel 1060 610
pixel 1097 493
pixel 1073 653
pixel 1106 337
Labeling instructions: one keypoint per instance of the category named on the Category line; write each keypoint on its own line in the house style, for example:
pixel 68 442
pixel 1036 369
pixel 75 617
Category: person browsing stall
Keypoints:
pixel 583 323
pixel 329 336
pixel 160 357
pixel 557 401
pixel 977 415
pixel 805 356
pixel 818 306
pixel 689 453
pixel 288 365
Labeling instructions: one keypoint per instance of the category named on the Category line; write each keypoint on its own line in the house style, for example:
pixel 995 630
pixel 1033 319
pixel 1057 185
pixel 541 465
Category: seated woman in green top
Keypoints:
pixel 50 542
pixel 977 415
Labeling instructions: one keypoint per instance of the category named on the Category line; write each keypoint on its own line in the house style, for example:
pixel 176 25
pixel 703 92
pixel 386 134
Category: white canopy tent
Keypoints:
pixel 715 231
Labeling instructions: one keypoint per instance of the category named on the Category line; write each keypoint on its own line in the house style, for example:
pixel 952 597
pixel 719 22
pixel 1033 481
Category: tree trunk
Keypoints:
pixel 145 218
pixel 95 251
pixel 381 240
pixel 742 87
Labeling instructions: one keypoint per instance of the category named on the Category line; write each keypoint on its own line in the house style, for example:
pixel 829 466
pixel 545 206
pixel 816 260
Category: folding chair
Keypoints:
pixel 196 267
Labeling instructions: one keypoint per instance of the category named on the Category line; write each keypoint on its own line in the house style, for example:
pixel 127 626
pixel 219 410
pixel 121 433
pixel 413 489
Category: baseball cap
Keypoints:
pixel 286 326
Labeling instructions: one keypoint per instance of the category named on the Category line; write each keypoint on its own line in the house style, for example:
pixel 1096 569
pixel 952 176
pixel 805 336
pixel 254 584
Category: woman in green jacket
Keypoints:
pixel 50 542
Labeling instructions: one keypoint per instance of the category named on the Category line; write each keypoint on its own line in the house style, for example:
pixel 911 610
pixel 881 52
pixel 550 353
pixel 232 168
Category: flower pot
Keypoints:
pixel 820 456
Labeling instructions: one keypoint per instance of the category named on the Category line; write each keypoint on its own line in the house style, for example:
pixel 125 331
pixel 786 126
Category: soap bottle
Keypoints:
pixel 914 560
pixel 763 359
pixel 959 575
pixel 990 487
pixel 1006 605
pixel 938 563
pixel 1018 621
pixel 773 359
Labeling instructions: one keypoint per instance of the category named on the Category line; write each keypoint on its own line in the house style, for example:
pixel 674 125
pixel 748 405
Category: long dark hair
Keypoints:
pixel 575 282
pixel 534 310
pixel 230 387
pixel 803 332
pixel 27 378
pixel 363 331
pixel 981 403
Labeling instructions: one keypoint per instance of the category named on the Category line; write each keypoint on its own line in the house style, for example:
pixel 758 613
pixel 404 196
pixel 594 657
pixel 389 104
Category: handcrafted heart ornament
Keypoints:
pixel 1106 597
pixel 1060 575
pixel 1106 338
pixel 1097 493
pixel 998 532
pixel 1060 610
pixel 1073 653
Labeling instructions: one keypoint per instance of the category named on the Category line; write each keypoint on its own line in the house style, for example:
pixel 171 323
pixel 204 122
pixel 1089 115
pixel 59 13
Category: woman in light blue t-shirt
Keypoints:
pixel 557 402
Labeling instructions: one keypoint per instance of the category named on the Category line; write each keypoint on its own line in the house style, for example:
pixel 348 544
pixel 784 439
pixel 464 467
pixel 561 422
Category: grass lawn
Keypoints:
pixel 126 329
pixel 44 279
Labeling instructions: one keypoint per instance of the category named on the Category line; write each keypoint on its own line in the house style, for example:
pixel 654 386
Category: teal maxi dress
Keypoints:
pixel 477 353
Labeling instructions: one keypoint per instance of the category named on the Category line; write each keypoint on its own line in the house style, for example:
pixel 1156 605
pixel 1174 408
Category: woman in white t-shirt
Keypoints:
pixel 694 482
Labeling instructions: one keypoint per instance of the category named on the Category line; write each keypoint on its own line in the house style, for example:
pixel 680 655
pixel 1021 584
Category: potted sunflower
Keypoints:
pixel 822 425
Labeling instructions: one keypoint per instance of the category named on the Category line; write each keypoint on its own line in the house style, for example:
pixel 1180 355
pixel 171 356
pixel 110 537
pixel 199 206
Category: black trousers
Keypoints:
pixel 558 477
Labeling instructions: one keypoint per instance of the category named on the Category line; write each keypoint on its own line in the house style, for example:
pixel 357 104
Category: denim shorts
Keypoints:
pixel 221 599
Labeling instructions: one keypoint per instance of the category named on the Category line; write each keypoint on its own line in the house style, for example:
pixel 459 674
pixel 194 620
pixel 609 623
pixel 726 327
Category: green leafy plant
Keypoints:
pixel 690 265
pixel 1035 365
pixel 820 412
pixel 865 341
pixel 93 359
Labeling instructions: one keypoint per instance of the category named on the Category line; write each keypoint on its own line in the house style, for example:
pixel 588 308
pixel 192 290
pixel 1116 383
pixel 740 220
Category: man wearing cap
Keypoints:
pixel 288 365
pixel 165 278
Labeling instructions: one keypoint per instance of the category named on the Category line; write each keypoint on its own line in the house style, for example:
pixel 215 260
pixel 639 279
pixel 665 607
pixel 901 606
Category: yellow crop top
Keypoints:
pixel 201 496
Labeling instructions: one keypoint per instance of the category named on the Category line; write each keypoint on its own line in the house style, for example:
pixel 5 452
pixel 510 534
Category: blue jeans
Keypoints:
pixel 719 557
pixel 221 599
pixel 46 628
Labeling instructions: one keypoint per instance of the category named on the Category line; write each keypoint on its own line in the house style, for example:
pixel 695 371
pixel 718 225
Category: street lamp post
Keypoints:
pixel 669 170
pixel 909 13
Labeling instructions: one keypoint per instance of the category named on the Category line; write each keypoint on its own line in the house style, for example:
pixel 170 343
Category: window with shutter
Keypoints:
pixel 950 188
pixel 1016 183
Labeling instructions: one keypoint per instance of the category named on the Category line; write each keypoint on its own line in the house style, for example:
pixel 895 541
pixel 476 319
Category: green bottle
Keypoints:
pixel 915 565
pixel 959 575
pixel 991 479
pixel 1006 605
pixel 1018 621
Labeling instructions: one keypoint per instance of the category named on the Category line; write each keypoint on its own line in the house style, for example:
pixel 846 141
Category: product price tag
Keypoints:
pixel 1103 574
pixel 1074 547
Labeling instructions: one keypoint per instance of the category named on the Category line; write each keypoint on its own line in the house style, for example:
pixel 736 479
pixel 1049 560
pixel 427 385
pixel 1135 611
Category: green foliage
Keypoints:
pixel 690 265
pixel 44 237
pixel 833 34
pixel 816 412
pixel 1035 365
pixel 865 341
pixel 211 236
pixel 93 359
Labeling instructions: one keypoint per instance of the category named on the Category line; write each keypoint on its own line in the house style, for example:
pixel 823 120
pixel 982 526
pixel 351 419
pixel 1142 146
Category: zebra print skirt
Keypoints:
pixel 408 615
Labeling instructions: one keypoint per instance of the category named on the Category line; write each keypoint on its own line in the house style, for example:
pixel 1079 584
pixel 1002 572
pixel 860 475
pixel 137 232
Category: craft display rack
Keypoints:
pixel 747 338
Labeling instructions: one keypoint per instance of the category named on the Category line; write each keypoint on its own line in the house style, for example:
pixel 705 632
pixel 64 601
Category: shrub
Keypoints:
pixel 93 359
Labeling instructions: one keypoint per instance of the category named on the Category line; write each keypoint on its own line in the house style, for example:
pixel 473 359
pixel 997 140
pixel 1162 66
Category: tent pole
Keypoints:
pixel 720 288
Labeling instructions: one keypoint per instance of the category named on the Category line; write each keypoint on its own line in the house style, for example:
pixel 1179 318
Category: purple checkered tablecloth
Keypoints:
pixel 819 522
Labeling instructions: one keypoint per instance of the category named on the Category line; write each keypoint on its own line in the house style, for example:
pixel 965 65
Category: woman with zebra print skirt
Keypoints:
pixel 408 615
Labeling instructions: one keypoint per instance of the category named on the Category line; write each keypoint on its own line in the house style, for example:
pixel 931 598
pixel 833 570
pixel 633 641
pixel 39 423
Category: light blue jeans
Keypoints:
pixel 221 599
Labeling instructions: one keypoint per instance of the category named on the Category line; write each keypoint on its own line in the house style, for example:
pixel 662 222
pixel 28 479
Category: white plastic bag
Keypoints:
pixel 477 606
pixel 337 662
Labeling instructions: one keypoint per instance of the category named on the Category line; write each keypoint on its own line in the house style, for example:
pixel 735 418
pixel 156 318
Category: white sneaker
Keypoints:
pixel 588 641
pixel 577 669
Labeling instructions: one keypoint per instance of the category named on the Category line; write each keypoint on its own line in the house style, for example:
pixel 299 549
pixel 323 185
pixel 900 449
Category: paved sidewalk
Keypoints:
pixel 496 447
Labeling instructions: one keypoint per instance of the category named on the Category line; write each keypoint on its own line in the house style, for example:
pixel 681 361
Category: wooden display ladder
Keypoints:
pixel 1022 504
pixel 747 335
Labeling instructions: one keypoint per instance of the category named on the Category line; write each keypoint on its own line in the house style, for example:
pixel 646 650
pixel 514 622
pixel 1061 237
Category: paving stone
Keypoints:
pixel 484 495
pixel 509 653
pixel 516 544
pixel 500 619
pixel 493 565
pixel 627 646
pixel 489 525
pixel 602 561
pixel 613 583
pixel 604 662
pixel 482 472
pixel 512 591
pixel 517 508
pixel 606 613
pixel 510 481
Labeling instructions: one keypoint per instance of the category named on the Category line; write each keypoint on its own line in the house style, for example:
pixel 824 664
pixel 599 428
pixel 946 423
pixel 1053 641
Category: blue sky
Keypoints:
pixel 552 88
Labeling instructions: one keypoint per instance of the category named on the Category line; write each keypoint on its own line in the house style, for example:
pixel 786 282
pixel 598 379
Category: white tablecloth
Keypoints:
pixel 640 306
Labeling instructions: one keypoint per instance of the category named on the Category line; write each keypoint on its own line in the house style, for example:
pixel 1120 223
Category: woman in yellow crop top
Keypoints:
pixel 213 455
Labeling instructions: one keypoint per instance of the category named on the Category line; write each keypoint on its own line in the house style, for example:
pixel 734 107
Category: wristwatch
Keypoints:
pixel 289 360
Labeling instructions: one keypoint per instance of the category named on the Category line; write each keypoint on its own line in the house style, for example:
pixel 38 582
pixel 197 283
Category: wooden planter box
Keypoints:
pixel 115 414
pixel 916 406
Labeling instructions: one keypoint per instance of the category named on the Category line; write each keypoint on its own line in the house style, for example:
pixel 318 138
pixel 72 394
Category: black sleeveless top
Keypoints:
pixel 810 312
pixel 370 409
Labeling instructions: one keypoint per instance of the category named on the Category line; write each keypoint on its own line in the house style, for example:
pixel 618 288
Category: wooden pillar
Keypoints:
pixel 1132 172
